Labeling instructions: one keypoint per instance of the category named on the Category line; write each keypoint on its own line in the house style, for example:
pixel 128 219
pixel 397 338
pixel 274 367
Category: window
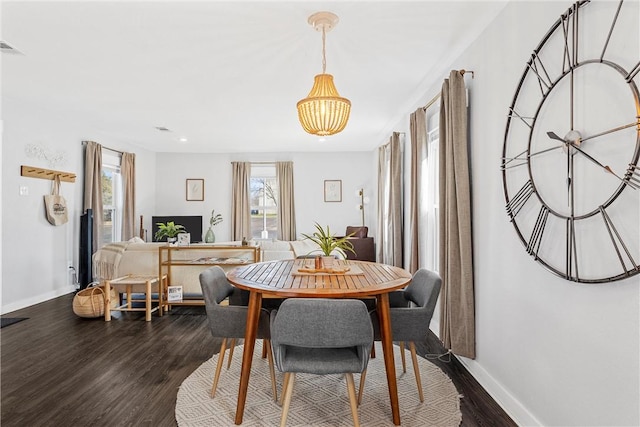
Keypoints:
pixel 264 201
pixel 430 197
pixel 111 198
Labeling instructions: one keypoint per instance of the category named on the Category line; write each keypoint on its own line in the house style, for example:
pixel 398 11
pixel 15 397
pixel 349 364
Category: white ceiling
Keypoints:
pixel 227 75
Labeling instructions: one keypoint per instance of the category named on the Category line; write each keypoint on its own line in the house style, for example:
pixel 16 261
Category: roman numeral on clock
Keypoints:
pixel 618 243
pixel 535 64
pixel 518 201
pixel 538 230
pixel 572 252
pixel 570 32
pixel 632 177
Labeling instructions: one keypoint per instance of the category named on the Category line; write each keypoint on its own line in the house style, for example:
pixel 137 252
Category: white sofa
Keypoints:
pixel 140 258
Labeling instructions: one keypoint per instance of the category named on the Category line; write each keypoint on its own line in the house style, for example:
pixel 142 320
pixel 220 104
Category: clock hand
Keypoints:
pixel 606 168
pixel 575 146
pixel 554 136
pixel 611 131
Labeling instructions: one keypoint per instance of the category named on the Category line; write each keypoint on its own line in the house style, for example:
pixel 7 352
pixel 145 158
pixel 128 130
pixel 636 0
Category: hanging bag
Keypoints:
pixel 55 205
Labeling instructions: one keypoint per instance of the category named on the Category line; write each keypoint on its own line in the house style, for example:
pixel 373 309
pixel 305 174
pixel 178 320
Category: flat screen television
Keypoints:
pixel 191 223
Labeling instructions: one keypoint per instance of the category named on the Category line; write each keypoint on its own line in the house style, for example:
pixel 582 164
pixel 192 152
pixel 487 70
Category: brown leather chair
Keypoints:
pixel 363 246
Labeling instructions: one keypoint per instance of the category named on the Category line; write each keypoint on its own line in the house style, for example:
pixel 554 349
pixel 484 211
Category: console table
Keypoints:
pixel 199 257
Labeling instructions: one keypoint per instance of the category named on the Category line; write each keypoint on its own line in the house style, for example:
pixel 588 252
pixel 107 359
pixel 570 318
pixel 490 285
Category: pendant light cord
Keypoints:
pixel 324 59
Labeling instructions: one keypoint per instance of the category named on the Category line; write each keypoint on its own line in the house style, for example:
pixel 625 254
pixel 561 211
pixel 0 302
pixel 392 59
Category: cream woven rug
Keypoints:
pixel 317 400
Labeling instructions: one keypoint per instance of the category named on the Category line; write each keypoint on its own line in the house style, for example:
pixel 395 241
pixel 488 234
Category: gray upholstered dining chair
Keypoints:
pixel 411 312
pixel 228 321
pixel 321 336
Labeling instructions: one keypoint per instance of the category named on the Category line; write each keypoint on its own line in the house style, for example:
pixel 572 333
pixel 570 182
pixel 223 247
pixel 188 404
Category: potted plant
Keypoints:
pixel 328 243
pixel 169 230
pixel 209 237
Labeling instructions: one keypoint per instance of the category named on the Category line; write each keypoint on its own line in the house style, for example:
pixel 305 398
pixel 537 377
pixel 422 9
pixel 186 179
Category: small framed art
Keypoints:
pixel 184 239
pixel 195 190
pixel 332 190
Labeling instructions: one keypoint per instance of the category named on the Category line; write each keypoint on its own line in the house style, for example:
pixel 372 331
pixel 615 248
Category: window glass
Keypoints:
pixel 264 202
pixel 111 198
pixel 429 239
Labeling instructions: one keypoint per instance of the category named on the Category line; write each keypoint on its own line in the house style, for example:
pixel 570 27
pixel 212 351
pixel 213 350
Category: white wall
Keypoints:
pixel 552 352
pixel 309 170
pixel 36 254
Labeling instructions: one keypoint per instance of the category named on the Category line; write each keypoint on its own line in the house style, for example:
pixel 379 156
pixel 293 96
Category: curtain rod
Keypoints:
pixel 105 148
pixel 435 98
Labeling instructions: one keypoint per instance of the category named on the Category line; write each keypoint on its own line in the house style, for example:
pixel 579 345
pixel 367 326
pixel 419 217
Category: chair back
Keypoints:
pixel 321 336
pixel 321 323
pixel 424 289
pixel 226 320
pixel 215 287
pixel 411 322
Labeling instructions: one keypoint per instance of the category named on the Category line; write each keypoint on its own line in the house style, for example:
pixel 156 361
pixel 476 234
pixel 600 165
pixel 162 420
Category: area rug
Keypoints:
pixel 6 321
pixel 317 400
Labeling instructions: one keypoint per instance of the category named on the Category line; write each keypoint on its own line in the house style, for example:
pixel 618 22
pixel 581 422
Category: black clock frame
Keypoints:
pixel 631 178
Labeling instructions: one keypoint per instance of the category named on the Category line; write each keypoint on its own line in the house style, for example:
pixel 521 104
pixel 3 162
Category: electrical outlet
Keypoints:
pixel 73 277
pixel 24 190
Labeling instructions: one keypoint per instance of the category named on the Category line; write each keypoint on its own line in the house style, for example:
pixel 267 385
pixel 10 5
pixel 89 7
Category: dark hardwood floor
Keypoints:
pixel 61 370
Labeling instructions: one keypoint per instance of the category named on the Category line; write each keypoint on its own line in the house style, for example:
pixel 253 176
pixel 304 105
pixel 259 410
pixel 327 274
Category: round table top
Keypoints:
pixel 295 278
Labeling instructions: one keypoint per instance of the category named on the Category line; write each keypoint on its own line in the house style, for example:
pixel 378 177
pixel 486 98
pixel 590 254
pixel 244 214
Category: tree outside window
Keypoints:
pixel 264 202
pixel 111 199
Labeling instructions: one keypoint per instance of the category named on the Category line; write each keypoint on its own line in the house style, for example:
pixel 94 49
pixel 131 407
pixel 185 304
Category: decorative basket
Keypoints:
pixel 89 302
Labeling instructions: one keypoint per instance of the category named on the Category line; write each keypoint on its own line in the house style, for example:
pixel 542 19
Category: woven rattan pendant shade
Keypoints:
pixel 323 112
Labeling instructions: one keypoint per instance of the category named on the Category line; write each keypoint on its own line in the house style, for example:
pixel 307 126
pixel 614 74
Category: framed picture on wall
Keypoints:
pixel 332 190
pixel 195 190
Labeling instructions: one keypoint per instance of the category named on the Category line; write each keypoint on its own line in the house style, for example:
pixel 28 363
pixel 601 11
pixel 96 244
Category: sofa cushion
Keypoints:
pixel 275 245
pixel 304 247
pixel 359 232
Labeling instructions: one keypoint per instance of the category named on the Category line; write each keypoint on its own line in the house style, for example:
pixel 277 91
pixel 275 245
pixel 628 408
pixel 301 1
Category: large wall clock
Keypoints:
pixel 570 157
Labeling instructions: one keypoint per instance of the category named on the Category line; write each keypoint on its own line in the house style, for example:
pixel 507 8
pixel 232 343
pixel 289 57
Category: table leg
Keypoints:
pixel 107 302
pixel 147 301
pixel 129 306
pixel 253 317
pixel 384 316
pixel 160 296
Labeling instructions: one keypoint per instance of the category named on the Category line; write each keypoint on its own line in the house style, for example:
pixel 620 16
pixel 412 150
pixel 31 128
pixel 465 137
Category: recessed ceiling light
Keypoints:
pixel 7 48
pixel 322 139
pixel 182 140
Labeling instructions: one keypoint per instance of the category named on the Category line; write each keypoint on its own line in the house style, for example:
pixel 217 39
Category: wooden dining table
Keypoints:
pixel 298 279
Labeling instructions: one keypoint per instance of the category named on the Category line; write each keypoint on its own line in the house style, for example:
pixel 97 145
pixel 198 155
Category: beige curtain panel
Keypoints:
pixel 390 212
pixel 457 312
pixel 240 203
pixel 128 172
pixel 286 205
pixel 418 129
pixel 93 189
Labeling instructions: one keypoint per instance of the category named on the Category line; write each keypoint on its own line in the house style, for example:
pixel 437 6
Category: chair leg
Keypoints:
pixel 351 388
pixel 404 363
pixel 285 381
pixel 272 371
pixel 231 347
pixel 416 370
pixel 216 377
pixel 363 375
pixel 373 350
pixel 289 381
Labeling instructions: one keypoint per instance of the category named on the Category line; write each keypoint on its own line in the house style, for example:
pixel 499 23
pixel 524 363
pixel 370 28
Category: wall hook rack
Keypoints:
pixel 34 172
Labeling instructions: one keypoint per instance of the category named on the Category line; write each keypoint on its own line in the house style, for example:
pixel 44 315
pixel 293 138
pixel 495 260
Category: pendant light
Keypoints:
pixel 323 112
